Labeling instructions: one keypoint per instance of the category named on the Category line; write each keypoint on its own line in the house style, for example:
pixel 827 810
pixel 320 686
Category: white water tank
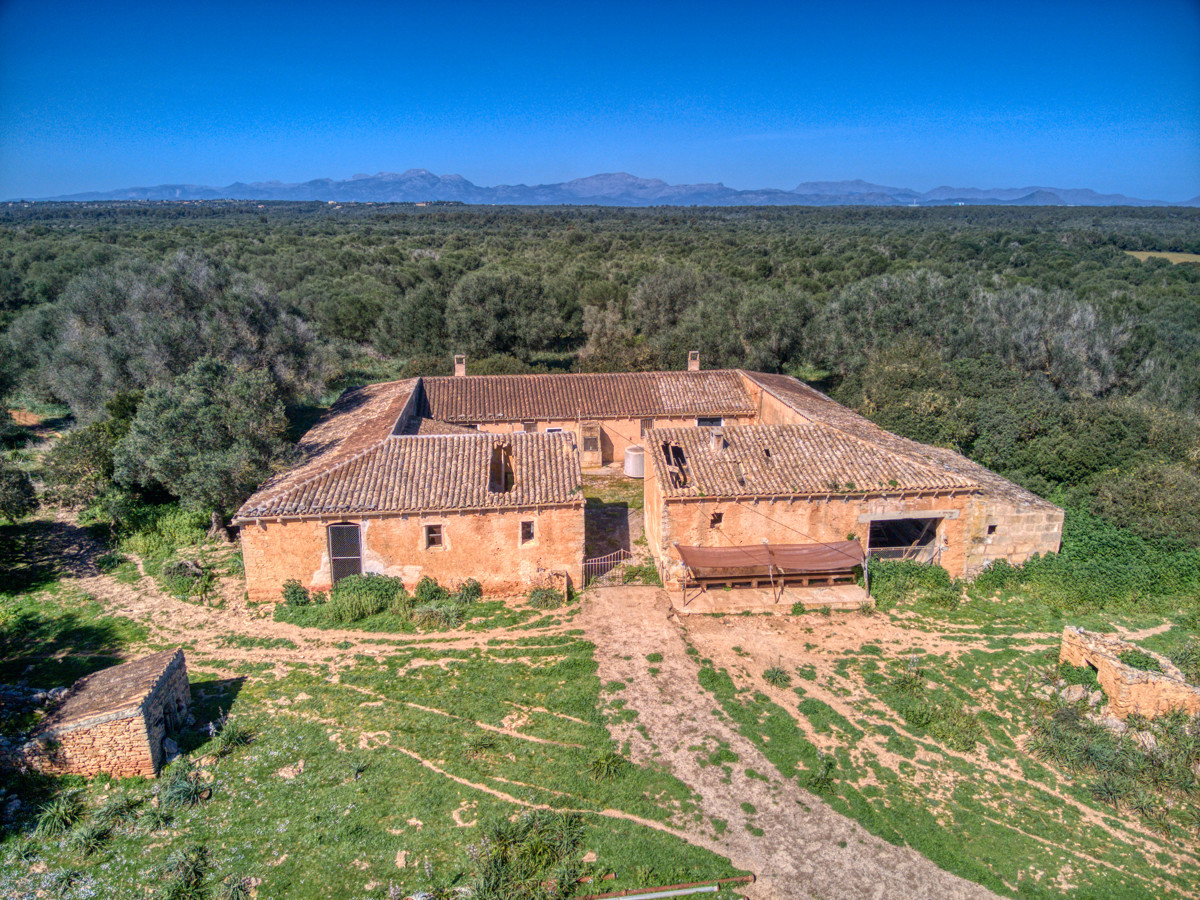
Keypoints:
pixel 635 462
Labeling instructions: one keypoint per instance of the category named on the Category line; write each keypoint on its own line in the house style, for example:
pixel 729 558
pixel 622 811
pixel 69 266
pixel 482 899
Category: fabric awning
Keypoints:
pixel 786 559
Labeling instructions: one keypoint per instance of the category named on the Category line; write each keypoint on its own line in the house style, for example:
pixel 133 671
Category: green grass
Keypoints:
pixel 339 824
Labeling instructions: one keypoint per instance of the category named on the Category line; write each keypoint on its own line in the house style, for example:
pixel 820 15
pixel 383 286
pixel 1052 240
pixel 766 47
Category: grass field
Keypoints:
pixel 1144 255
pixel 374 777
pixel 943 764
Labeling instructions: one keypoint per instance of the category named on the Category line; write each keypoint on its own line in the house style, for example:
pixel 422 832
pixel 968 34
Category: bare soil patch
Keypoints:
pixel 803 848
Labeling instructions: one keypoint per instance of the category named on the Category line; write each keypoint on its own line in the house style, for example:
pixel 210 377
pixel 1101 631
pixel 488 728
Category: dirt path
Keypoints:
pixel 805 849
pixel 214 630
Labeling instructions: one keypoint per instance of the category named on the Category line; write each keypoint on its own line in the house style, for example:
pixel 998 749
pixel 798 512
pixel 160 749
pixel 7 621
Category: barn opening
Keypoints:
pixel 903 538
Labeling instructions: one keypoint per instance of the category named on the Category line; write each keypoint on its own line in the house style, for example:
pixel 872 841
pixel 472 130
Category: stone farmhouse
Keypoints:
pixel 481 477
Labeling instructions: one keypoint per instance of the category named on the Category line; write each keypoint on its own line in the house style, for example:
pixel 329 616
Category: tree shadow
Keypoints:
pixel 37 553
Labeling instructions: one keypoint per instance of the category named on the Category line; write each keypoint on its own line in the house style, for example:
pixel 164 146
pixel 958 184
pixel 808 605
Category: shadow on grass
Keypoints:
pixel 37 553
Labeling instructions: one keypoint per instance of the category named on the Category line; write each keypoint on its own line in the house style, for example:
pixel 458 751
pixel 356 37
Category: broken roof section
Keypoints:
pixel 820 409
pixel 787 460
pixel 114 693
pixel 626 395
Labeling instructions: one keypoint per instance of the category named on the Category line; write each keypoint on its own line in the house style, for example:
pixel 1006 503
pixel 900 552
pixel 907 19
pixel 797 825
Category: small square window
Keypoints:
pixel 526 532
pixel 647 425
pixel 433 537
pixel 991 529
pixel 716 520
pixel 530 427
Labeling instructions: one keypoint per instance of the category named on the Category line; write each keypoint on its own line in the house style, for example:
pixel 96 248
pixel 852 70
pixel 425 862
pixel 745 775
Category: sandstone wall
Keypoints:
pixel 121 743
pixel 966 546
pixel 481 545
pixel 1129 690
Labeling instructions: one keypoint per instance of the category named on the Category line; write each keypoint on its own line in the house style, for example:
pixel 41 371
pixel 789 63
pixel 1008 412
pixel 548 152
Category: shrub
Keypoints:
pixel 608 766
pixel 116 811
pixel 642 573
pixel 231 737
pixel 359 596
pixel 479 744
pixel 1187 658
pixel 57 816
pixel 442 614
pixel 470 592
pixel 186 579
pixel 821 778
pixel 545 598
pixel 295 594
pixel 89 837
pixel 1138 659
pixel 110 562
pixel 777 677
pixel 182 788
pixel 429 591
pixel 186 872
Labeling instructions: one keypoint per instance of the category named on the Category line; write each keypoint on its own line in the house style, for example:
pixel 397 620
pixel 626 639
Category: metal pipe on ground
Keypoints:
pixel 674 890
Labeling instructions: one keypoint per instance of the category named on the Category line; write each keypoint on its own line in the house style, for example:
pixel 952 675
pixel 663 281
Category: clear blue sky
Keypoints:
pixel 96 96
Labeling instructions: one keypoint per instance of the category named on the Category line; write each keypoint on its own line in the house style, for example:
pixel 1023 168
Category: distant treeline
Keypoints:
pixel 1028 339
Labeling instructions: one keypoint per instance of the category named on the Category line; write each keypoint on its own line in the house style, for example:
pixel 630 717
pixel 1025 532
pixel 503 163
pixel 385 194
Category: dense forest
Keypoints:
pixel 190 341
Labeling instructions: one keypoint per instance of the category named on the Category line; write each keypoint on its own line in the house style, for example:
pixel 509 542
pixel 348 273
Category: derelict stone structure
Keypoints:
pixel 113 721
pixel 481 477
pixel 810 470
pixel 1129 690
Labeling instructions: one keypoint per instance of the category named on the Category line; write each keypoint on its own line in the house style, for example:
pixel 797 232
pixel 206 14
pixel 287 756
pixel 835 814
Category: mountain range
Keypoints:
pixel 614 189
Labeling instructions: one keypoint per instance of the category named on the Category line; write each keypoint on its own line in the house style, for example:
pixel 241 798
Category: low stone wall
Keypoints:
pixel 1129 690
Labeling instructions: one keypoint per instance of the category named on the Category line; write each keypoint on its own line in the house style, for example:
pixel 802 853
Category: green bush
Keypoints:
pixel 1187 658
pixel 896 580
pixel 470 592
pixel 1137 659
pixel 545 598
pixel 429 591
pixel 295 594
pixel 358 596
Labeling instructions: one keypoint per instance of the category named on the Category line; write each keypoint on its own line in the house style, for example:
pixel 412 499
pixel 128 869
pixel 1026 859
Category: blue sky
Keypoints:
pixel 96 96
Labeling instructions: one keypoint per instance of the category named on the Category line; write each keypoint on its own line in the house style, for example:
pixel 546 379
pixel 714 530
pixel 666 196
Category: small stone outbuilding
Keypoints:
pixel 1130 690
pixel 114 720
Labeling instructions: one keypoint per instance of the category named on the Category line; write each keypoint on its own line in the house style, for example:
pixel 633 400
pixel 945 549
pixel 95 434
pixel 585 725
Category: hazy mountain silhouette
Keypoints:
pixel 614 189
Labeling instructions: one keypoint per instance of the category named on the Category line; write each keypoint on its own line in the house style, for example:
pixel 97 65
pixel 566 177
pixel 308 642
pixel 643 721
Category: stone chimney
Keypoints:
pixel 693 360
pixel 460 366
pixel 718 440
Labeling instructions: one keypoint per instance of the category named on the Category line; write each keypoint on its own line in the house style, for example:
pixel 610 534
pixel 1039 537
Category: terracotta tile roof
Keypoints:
pixel 358 420
pixel 112 693
pixel 782 460
pixel 423 426
pixel 517 398
pixel 816 407
pixel 436 472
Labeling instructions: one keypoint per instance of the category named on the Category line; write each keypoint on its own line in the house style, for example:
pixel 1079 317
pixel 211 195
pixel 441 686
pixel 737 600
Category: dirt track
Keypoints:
pixel 807 849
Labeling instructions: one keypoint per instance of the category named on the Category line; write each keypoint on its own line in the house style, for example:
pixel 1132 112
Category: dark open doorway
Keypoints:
pixel 903 539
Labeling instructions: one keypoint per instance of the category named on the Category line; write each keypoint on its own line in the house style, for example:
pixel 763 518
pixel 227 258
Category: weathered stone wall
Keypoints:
pixel 1129 690
pixel 120 747
pixel 482 545
pixel 616 435
pixel 965 545
pixel 121 743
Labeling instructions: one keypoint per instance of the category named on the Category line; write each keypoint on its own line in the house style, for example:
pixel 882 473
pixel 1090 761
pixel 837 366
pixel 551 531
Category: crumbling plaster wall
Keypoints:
pixel 485 546
pixel 966 546
pixel 1129 690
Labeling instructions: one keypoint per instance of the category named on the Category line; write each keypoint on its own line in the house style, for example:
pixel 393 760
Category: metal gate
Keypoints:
pixel 606 570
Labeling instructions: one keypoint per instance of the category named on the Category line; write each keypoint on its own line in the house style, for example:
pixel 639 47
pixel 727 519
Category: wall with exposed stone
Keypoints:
pixel 1129 690
pixel 122 743
pixel 962 546
pixel 485 546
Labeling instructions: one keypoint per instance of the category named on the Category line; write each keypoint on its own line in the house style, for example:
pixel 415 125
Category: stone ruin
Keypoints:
pixel 113 721
pixel 1129 690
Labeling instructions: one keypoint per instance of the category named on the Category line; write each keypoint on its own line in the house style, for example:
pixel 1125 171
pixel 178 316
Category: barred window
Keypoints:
pixel 345 551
